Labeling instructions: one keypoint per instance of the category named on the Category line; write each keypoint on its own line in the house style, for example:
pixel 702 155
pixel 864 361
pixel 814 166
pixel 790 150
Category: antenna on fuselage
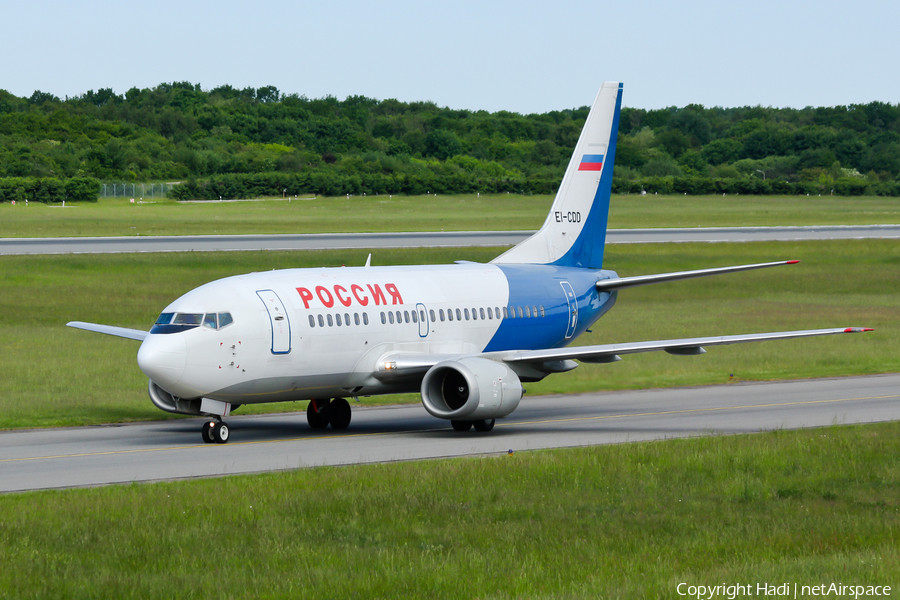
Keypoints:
pixel 369 261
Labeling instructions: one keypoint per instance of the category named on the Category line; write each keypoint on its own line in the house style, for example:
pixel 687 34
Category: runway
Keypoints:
pixel 140 452
pixel 326 241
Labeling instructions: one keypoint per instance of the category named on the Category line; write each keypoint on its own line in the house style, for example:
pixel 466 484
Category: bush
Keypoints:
pixel 49 189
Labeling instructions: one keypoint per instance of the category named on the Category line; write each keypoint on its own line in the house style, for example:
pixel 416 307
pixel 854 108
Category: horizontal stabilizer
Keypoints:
pixel 607 285
pixel 122 332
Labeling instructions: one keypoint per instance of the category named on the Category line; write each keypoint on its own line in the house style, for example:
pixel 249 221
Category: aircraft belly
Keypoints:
pixel 305 387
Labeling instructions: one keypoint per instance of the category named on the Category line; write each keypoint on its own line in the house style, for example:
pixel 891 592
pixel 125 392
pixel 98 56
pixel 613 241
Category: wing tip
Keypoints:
pixel 857 329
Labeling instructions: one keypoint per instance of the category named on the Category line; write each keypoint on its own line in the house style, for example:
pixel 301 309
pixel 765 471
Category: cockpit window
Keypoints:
pixel 187 319
pixel 178 322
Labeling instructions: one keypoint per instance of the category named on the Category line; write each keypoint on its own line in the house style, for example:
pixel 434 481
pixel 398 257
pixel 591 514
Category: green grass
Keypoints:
pixel 629 521
pixel 51 375
pixel 117 217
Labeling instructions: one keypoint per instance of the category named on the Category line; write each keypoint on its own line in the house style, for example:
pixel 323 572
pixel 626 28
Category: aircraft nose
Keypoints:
pixel 162 358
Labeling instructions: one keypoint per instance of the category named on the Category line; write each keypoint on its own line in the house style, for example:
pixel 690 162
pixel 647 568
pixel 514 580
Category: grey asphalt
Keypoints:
pixel 324 241
pixel 89 456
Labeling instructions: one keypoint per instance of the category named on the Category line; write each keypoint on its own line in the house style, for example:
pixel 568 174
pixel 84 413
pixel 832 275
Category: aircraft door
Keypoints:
pixel 424 324
pixel 278 318
pixel 573 308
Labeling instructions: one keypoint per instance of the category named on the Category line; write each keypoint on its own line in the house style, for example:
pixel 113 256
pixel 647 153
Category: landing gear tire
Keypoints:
pixel 484 425
pixel 339 413
pixel 461 425
pixel 317 413
pixel 220 433
pixel 206 432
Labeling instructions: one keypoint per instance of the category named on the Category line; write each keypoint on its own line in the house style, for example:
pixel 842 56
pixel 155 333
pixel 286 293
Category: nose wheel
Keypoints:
pixel 215 431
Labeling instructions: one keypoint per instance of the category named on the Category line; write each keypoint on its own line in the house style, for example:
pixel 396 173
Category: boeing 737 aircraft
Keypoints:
pixel 465 335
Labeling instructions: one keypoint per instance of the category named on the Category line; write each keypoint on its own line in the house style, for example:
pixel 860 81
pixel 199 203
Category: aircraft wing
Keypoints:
pixel 405 366
pixel 122 332
pixel 606 285
pixel 687 346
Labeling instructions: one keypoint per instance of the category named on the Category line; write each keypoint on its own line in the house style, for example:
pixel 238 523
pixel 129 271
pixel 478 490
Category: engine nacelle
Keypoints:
pixel 163 400
pixel 471 389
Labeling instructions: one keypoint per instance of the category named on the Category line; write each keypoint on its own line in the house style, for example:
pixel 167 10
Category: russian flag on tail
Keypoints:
pixel 591 162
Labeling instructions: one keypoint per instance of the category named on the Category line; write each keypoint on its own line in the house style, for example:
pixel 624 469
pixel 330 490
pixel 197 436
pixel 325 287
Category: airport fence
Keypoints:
pixel 118 189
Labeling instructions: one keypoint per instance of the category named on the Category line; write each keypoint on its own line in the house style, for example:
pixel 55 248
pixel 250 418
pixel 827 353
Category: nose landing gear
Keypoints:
pixel 215 431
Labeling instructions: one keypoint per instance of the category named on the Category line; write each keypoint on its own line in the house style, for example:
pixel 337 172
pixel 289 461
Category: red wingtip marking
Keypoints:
pixel 857 329
pixel 792 262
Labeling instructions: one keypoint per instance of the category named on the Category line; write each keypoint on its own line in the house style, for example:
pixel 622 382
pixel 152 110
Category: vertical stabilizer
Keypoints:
pixel 575 230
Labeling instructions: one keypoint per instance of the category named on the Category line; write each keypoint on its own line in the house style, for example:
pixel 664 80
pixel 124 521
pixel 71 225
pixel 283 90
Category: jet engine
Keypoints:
pixel 163 400
pixel 471 389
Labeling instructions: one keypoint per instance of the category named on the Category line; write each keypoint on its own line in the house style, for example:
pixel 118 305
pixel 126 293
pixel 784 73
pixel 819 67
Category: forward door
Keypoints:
pixel 278 318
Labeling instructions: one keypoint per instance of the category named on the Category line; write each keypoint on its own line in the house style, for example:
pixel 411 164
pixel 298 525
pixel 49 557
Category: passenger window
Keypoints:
pixel 382 318
pixel 391 317
pixel 400 317
pixel 406 316
pixel 415 317
pixel 356 318
pixel 312 321
pixel 512 312
pixel 321 321
pixel 210 321
pixel 347 319
pixel 422 315
pixel 330 320
pixel 542 310
pixel 467 314
pixel 366 318
pixel 505 313
pixel 520 313
pixel 449 314
pixel 338 319
pixel 534 311
pixel 441 314
pixel 528 312
pixel 497 310
pixel 431 311
pixel 481 312
pixel 459 315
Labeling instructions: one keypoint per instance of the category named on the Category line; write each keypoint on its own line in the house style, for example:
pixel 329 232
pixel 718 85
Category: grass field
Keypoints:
pixel 52 375
pixel 117 217
pixel 631 521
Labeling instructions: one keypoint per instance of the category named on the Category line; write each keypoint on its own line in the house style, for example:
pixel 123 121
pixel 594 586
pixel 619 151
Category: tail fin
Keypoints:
pixel 575 230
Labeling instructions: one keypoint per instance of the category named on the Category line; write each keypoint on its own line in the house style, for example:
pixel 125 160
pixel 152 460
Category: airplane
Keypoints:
pixel 465 335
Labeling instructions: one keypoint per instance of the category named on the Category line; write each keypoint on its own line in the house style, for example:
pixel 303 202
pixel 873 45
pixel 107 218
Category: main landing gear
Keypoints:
pixel 322 413
pixel 215 431
pixel 480 425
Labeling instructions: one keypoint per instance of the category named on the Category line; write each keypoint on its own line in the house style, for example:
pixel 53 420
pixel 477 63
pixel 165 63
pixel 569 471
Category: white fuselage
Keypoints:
pixel 316 333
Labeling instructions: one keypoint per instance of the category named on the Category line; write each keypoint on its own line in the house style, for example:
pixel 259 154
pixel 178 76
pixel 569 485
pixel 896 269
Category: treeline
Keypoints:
pixel 49 189
pixel 242 143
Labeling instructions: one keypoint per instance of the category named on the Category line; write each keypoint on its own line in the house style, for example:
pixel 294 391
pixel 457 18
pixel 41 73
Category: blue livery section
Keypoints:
pixel 539 286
